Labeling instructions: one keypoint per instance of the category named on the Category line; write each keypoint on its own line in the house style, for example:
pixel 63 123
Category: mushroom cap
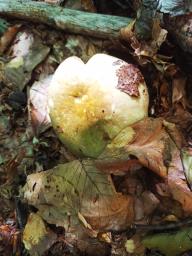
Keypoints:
pixel 89 104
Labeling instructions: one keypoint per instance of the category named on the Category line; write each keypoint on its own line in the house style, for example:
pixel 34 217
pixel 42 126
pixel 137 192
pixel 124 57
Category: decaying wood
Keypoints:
pixel 72 21
pixel 150 9
pixel 3 26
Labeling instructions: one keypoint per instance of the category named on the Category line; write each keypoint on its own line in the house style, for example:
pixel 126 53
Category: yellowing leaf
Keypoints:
pixel 36 237
pixel 77 189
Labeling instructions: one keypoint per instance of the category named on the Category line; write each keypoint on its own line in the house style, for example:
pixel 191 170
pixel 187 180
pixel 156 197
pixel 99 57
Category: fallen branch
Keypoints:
pixel 72 21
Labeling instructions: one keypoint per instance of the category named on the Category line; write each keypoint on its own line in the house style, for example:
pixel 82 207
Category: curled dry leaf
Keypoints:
pixel 79 189
pixel 8 37
pixel 38 105
pixel 158 148
pixel 37 238
pixel 145 50
pixel 151 145
pixel 178 184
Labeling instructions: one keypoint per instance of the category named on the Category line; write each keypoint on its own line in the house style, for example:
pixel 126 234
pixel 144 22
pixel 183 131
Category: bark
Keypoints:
pixel 150 9
pixel 3 26
pixel 72 21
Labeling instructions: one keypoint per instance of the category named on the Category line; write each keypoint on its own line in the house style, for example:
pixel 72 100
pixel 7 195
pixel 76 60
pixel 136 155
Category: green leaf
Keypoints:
pixel 170 244
pixel 77 189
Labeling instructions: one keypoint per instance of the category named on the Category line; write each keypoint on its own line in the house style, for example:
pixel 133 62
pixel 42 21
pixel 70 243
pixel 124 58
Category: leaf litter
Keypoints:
pixel 140 182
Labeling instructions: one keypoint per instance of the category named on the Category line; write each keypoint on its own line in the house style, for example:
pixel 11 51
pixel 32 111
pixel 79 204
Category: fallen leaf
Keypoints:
pixel 8 37
pixel 77 188
pixel 38 105
pixel 145 51
pixel 157 145
pixel 27 51
pixel 173 243
pixel 150 202
pixel 179 91
pixel 10 237
pixel 183 119
pixel 134 245
pixel 147 140
pixel 37 238
pixel 178 184
pixel 22 43
pixel 152 145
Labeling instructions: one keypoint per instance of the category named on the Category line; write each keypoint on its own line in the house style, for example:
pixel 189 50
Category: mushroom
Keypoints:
pixel 89 104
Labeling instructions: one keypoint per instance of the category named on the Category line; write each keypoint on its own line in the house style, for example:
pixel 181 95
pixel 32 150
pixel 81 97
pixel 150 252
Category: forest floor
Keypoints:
pixel 156 178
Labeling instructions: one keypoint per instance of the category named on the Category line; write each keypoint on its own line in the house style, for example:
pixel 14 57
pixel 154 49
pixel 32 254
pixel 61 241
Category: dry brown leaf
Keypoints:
pixel 150 202
pixel 156 143
pixel 157 146
pixel 179 91
pixel 150 142
pixel 88 5
pixel 109 218
pixel 183 119
pixel 178 184
pixel 145 51
pixel 151 145
pixel 8 37
pixel 9 241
